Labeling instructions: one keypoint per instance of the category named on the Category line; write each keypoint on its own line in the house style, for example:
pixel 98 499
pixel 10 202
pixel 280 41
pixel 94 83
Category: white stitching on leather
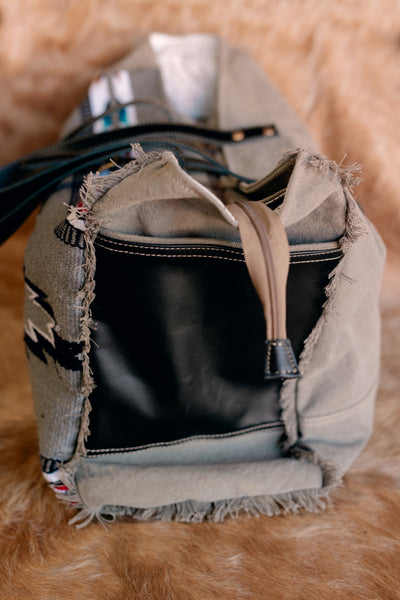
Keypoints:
pixel 333 251
pixel 270 344
pixel 132 244
pixel 303 262
pixel 236 252
pixel 172 255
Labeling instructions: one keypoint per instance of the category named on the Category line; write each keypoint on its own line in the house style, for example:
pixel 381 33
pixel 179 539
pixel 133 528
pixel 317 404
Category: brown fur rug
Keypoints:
pixel 338 65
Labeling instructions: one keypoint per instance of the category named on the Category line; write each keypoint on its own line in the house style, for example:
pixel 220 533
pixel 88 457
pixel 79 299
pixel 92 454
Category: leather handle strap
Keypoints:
pixel 266 251
pixel 24 183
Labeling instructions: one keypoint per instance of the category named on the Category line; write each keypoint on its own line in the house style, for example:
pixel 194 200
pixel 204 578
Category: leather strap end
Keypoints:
pixel 280 361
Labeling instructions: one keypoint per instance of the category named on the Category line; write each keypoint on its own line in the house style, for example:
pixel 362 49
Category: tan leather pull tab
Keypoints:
pixel 266 251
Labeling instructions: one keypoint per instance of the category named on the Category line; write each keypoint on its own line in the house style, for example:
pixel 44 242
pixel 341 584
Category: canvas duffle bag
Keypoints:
pixel 201 317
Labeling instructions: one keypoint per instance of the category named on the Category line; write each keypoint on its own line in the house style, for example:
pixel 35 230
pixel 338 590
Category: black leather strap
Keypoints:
pixel 25 182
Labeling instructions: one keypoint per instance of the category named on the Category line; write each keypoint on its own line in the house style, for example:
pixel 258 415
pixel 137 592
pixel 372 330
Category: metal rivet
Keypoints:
pixel 269 131
pixel 238 136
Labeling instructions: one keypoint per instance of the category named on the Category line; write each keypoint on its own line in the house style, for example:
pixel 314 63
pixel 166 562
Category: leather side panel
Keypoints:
pixel 179 345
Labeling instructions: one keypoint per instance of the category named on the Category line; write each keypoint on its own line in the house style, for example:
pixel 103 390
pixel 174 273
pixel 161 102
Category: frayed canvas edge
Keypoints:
pixel 93 188
pixel 312 500
pixel 348 175
pixel 356 227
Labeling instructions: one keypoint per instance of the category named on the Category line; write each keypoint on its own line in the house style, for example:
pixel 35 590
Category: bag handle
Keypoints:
pixel 266 251
pixel 24 183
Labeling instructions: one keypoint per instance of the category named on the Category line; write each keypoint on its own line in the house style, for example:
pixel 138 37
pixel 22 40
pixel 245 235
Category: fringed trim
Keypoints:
pixel 356 223
pixel 85 516
pixel 85 298
pixel 348 175
pixel 83 218
pixel 96 185
pixel 195 512
pixel 311 500
pixel 287 402
pixel 331 479
pixel 355 228
pixel 190 511
pixel 72 500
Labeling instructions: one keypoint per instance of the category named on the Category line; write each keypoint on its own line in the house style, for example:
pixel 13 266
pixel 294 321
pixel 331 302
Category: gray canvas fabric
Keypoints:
pixel 51 310
pixel 326 415
pixel 158 485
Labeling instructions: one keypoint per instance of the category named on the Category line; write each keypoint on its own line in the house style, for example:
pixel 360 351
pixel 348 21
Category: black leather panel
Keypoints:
pixel 179 346
pixel 305 294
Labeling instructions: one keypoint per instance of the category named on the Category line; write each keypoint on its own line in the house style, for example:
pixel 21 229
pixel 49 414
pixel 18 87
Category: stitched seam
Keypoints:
pixel 172 255
pixel 302 262
pixel 217 436
pixel 213 247
pixel 334 251
pixel 270 344
pixel 161 255
pixel 130 245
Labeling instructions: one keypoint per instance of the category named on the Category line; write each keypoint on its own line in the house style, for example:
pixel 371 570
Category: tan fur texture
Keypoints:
pixel 338 65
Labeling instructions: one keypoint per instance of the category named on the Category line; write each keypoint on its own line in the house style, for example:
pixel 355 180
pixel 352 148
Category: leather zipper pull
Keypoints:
pixel 266 251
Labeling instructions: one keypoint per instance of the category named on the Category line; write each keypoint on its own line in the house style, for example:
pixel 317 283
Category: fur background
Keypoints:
pixel 337 62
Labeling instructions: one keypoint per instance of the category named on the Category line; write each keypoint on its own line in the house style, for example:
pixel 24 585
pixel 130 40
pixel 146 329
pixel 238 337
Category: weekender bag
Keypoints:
pixel 201 316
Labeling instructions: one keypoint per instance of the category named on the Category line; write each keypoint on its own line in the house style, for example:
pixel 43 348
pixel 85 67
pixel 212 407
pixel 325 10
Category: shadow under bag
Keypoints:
pixel 201 315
